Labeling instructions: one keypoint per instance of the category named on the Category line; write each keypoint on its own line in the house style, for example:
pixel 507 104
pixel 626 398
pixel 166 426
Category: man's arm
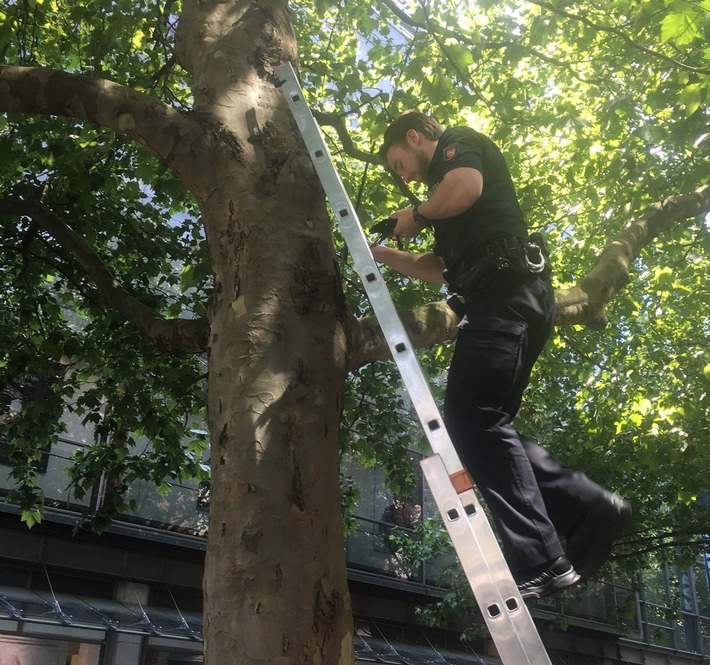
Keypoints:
pixel 428 267
pixel 456 193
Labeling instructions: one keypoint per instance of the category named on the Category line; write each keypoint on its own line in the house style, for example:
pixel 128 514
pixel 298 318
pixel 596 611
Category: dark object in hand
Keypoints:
pixel 384 228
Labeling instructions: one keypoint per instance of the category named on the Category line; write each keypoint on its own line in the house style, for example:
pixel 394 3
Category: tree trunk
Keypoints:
pixel 275 582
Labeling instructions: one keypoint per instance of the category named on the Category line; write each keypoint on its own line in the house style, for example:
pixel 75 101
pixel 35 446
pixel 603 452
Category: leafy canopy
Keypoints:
pixel 601 110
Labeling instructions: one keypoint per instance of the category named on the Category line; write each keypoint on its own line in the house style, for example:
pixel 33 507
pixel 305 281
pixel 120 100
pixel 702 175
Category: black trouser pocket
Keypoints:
pixel 486 364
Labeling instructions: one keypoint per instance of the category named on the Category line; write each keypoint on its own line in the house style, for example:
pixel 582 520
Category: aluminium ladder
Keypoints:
pixel 507 617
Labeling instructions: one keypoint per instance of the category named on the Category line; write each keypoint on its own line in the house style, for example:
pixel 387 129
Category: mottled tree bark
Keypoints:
pixel 275 583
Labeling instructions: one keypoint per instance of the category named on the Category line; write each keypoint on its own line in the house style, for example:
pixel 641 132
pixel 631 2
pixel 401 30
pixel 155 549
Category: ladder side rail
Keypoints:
pixel 498 598
pixel 392 327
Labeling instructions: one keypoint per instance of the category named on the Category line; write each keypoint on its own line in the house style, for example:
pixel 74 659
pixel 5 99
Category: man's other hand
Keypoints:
pixel 406 226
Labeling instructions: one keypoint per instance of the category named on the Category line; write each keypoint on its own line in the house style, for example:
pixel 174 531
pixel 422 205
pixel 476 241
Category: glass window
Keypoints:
pixel 155 656
pixel 18 650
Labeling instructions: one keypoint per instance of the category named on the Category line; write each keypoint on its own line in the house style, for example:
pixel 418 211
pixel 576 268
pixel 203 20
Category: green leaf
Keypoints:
pixel 438 88
pixel 322 6
pixel 31 517
pixel 461 56
pixel 680 27
pixel 692 96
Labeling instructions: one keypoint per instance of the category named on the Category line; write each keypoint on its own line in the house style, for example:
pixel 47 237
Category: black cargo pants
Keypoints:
pixel 531 496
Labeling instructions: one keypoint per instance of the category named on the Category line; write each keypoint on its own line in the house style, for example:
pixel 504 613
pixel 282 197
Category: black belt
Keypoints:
pixel 503 259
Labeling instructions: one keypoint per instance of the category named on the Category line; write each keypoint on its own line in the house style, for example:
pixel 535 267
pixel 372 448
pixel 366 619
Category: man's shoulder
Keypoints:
pixel 457 147
pixel 462 130
pixel 457 140
pixel 463 133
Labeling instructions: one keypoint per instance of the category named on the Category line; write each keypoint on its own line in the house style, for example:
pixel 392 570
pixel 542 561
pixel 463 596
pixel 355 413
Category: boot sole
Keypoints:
pixel 591 544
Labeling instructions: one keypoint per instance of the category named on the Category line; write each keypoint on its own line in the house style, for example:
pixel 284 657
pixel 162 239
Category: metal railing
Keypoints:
pixel 182 515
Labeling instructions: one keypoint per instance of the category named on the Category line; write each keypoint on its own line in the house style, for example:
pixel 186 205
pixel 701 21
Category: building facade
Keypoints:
pixel 132 596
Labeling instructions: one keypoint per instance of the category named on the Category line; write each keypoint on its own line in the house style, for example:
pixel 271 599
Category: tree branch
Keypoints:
pixel 338 123
pixel 175 138
pixel 425 325
pixel 168 335
pixel 585 302
pixel 582 304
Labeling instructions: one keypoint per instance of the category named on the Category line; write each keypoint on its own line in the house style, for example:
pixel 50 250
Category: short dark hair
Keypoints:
pixel 396 133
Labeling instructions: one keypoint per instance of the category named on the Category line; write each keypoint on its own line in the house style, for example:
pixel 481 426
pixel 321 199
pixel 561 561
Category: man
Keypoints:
pixel 483 252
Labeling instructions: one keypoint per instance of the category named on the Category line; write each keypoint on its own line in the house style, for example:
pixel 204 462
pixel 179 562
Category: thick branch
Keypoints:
pixel 172 136
pixel 338 123
pixel 170 335
pixel 582 304
pixel 426 325
pixel 402 15
pixel 585 302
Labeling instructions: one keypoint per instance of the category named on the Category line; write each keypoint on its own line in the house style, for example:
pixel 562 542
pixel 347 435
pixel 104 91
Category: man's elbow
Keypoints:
pixel 470 197
pixel 464 198
pixel 469 189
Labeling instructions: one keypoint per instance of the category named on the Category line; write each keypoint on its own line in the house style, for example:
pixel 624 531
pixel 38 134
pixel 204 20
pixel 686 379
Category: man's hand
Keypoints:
pixel 379 253
pixel 428 266
pixel 406 226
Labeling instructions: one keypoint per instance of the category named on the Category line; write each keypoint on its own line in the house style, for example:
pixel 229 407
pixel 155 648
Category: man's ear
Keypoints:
pixel 413 137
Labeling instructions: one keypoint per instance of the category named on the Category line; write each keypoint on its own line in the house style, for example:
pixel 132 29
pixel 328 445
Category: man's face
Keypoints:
pixel 409 161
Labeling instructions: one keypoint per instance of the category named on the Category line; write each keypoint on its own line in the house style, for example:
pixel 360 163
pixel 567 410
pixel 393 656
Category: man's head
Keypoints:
pixel 409 144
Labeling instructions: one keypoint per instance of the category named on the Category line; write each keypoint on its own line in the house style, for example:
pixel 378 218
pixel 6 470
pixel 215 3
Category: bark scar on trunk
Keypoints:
pixel 251 540
pixel 279 577
pixel 297 484
pixel 328 607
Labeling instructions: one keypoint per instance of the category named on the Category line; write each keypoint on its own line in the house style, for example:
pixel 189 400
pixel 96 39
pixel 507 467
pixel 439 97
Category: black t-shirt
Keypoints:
pixel 496 214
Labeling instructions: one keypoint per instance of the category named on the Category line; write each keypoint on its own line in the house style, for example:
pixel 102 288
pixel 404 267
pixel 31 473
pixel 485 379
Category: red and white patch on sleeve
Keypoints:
pixel 451 151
